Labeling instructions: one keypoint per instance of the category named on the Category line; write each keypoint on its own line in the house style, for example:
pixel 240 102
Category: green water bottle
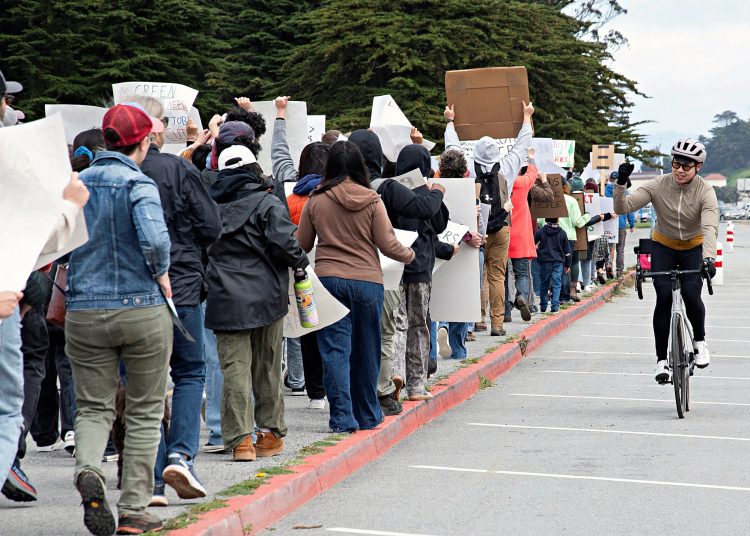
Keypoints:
pixel 308 313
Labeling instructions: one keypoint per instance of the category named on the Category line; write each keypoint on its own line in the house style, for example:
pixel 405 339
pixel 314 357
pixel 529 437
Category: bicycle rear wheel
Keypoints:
pixel 680 368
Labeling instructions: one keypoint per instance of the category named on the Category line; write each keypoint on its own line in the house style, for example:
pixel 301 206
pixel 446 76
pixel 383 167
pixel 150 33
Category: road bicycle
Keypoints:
pixel 681 353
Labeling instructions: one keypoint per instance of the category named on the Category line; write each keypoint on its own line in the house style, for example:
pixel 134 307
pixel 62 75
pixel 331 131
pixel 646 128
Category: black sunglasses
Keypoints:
pixel 685 167
pixel 9 98
pixel 165 121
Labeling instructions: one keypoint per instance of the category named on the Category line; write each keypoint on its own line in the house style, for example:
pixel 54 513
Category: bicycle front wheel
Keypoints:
pixel 680 367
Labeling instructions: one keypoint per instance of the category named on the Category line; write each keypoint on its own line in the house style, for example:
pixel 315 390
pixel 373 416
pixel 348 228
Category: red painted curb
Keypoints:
pixel 250 514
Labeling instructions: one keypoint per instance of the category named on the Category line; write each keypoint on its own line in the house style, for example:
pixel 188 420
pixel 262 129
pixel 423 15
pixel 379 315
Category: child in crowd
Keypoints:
pixel 553 254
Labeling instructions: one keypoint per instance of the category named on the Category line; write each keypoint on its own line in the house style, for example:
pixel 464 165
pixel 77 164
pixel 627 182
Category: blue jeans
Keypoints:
pixel 11 390
pixel 188 371
pixel 551 277
pixel 457 332
pixel 214 386
pixel 294 363
pixel 350 350
pixel 521 276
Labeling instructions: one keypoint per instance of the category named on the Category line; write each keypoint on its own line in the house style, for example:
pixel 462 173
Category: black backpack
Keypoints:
pixel 489 188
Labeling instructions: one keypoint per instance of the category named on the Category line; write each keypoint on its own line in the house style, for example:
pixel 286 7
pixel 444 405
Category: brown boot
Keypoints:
pixel 268 445
pixel 574 293
pixel 244 452
pixel 398 381
pixel 480 326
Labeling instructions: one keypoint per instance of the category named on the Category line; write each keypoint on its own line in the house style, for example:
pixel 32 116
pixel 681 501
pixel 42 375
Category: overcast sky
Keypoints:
pixel 692 57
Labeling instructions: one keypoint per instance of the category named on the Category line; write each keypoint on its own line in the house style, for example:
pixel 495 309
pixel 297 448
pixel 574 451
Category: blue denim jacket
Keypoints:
pixel 128 244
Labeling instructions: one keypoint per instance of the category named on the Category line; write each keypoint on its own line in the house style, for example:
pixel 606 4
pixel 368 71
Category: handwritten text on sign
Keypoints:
pixel 557 208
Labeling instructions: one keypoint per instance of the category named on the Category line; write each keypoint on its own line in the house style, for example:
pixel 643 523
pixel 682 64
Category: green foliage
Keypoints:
pixel 336 54
pixel 728 146
pixel 404 48
pixel 73 51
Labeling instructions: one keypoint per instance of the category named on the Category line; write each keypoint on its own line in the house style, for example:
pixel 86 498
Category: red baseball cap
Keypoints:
pixel 131 122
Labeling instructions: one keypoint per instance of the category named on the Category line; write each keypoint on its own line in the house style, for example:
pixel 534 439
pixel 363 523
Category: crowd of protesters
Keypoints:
pixel 213 235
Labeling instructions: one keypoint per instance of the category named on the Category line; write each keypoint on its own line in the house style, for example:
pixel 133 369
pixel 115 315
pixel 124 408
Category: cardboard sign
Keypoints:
pixel 76 118
pixel 392 127
pixel 454 233
pixel 487 101
pixel 557 208
pixel 582 240
pixel 35 169
pixel 393 270
pixel 177 101
pixel 593 207
pixel 297 131
pixel 602 157
pixel 456 285
pixel 564 152
pixel 316 127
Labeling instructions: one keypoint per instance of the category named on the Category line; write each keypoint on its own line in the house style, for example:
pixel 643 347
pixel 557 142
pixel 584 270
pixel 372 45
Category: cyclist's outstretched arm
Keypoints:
pixel 709 222
pixel 630 203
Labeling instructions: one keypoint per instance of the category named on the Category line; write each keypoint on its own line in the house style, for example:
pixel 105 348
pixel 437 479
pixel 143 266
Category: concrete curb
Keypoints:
pixel 250 514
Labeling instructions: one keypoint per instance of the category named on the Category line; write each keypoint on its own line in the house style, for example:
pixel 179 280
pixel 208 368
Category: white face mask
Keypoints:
pixel 10 118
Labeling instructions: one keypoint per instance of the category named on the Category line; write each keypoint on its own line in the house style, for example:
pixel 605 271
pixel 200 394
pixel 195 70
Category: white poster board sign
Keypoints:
pixel 564 152
pixel 296 130
pixel 316 127
pixel 177 101
pixel 611 226
pixel 593 207
pixel 392 127
pixel 76 118
pixel 330 310
pixel 456 286
pixel 412 179
pixel 394 270
pixel 35 169
pixel 544 156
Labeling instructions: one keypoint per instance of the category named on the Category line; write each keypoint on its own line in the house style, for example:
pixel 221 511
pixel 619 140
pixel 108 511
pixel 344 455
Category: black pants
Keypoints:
pixel 34 344
pixel 662 259
pixel 312 364
pixel 53 406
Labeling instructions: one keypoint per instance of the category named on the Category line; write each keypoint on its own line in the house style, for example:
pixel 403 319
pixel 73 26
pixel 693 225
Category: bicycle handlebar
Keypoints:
pixel 678 273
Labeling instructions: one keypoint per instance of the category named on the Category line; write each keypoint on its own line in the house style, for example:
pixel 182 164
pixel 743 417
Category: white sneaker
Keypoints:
pixel 587 288
pixel 50 448
pixel 317 403
pixel 443 344
pixel 702 357
pixel 661 374
pixel 70 442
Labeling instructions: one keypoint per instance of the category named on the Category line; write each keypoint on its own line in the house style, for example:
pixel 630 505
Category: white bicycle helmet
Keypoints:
pixel 690 148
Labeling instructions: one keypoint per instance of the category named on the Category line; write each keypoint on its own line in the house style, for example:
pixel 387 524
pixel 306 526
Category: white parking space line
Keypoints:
pixel 619 324
pixel 722 316
pixel 584 477
pixel 698 377
pixel 651 354
pixel 582 397
pixel 598 431
pixel 707 304
pixel 651 337
pixel 345 530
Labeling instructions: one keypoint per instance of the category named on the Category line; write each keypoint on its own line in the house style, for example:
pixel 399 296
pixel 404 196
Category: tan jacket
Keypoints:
pixel 351 224
pixel 682 212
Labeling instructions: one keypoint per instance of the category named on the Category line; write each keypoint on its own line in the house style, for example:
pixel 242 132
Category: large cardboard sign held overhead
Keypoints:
pixel 557 208
pixel 392 127
pixel 297 131
pixel 487 101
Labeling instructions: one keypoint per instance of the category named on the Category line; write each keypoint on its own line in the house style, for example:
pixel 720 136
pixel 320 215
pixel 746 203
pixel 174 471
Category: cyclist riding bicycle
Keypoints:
pixel 687 226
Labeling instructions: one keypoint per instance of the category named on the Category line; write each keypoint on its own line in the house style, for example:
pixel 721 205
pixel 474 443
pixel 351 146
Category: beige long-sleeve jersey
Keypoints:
pixel 683 212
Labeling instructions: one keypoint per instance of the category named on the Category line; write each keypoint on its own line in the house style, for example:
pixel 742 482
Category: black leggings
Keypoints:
pixel 663 259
